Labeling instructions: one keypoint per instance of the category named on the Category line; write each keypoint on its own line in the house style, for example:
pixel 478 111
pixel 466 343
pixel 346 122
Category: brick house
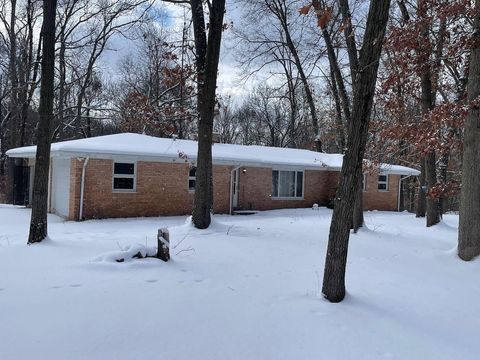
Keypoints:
pixel 131 175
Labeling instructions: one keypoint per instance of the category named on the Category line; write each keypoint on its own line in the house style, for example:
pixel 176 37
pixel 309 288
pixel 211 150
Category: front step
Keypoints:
pixel 245 212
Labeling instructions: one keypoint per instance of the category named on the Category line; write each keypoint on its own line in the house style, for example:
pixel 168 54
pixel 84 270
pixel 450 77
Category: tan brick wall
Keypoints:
pixel 374 199
pixel 161 189
pixel 255 189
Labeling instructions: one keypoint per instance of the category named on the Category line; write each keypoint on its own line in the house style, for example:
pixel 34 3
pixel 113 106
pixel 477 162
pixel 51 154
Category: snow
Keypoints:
pixel 166 149
pixel 246 288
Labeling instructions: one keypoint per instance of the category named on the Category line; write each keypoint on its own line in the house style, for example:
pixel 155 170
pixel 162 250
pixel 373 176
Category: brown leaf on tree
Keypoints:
pixel 323 17
pixel 305 9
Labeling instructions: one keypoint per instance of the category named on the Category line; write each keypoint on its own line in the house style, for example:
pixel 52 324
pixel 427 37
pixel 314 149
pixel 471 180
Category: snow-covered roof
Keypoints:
pixel 128 145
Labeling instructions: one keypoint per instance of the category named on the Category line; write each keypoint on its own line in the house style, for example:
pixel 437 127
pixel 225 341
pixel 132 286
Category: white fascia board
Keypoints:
pixel 406 172
pixel 179 160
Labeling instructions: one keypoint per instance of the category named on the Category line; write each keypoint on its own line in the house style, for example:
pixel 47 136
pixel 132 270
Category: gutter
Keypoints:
pixel 231 188
pixel 400 189
pixel 82 188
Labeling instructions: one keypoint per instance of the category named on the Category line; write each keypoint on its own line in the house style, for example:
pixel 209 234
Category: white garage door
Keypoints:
pixel 60 186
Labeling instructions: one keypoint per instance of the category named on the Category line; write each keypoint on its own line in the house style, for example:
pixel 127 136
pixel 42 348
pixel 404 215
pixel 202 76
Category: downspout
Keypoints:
pixel 400 190
pixel 231 188
pixel 82 188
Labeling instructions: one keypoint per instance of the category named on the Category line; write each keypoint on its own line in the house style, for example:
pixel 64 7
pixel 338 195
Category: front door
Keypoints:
pixel 235 189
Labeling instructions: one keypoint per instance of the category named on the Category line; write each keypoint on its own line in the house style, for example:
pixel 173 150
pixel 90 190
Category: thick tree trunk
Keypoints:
pixel 358 219
pixel 38 223
pixel 469 228
pixel 433 216
pixel 427 103
pixel 208 54
pixel 422 198
pixel 363 88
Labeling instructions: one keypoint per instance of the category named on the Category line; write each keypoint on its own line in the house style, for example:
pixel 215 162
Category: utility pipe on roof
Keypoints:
pixel 82 188
pixel 400 190
pixel 231 187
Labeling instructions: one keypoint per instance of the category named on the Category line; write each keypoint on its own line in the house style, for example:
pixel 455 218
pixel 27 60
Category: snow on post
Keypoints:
pixel 163 250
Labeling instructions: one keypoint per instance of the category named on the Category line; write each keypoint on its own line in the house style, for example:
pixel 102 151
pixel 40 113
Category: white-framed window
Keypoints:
pixel 192 178
pixel 383 182
pixel 124 176
pixel 287 184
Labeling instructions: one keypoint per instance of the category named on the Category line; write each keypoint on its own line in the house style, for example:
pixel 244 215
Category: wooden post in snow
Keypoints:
pixel 163 249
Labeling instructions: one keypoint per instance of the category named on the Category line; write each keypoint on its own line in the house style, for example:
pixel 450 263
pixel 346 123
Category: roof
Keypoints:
pixel 143 147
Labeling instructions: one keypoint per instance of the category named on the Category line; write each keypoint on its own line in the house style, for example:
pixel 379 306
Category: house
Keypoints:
pixel 130 175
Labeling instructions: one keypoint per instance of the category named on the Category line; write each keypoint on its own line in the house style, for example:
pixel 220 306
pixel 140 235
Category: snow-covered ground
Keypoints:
pixel 247 288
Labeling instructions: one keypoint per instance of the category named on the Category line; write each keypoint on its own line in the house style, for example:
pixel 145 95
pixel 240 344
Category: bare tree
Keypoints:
pixel 276 36
pixel 364 67
pixel 207 52
pixel 38 223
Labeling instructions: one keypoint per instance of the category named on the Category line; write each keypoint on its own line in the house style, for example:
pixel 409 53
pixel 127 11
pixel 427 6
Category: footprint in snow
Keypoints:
pixel 76 285
pixel 56 287
pixel 151 281
pixel 1 289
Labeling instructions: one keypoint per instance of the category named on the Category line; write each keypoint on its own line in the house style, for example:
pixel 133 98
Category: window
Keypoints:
pixel 192 178
pixel 287 184
pixel 124 176
pixel 383 182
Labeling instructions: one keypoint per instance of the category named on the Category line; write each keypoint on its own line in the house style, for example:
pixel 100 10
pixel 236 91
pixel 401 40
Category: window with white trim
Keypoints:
pixel 192 178
pixel 383 182
pixel 124 176
pixel 287 184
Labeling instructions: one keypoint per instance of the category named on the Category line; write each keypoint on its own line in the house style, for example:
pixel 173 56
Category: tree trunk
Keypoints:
pixel 422 198
pixel 338 113
pixel 363 89
pixel 61 86
pixel 427 104
pixel 208 54
pixel 443 175
pixel 358 219
pixel 433 216
pixel 13 78
pixel 469 228
pixel 337 75
pixel 38 223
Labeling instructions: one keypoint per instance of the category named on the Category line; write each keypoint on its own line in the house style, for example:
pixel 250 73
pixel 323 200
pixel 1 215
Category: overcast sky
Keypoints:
pixel 230 80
